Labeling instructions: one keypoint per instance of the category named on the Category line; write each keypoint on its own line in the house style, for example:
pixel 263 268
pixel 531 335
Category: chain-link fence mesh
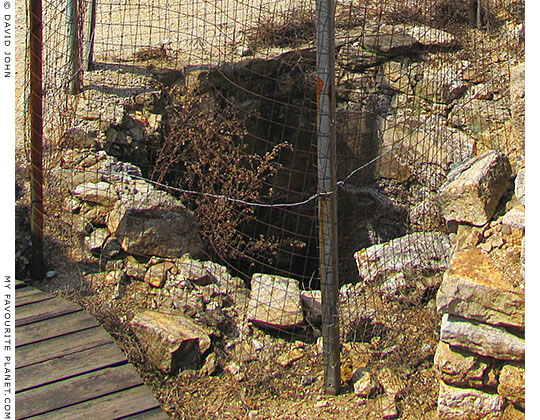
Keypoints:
pixel 195 133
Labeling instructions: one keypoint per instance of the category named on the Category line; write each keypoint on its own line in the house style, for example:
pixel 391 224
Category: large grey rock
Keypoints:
pixel 275 302
pixel 474 188
pixel 482 339
pixel 474 289
pixel 429 37
pixel 512 385
pixel 170 341
pixel 458 367
pixel 391 44
pixel 468 404
pixel 416 253
pixel 102 193
pixel 152 222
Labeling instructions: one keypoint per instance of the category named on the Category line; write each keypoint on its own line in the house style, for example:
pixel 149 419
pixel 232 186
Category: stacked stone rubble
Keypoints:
pixel 480 359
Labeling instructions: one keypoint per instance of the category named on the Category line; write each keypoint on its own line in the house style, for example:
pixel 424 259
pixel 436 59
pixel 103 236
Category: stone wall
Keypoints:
pixel 480 359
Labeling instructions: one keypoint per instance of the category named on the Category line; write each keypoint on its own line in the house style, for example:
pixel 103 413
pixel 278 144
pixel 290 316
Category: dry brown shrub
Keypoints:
pixel 205 143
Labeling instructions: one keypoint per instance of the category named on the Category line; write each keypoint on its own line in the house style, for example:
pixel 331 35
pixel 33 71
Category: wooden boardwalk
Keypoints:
pixel 68 367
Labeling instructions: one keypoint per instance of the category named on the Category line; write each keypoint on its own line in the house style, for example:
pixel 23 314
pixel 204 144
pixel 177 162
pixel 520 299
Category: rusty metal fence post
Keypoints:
pixel 327 188
pixel 36 137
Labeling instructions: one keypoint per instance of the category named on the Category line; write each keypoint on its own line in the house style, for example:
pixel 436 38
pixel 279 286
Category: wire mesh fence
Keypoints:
pixel 194 131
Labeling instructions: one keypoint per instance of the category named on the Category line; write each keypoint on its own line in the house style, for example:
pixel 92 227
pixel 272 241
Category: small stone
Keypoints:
pixel 157 274
pixel 322 404
pixel 115 277
pixel 50 274
pixel 387 404
pixel 512 385
pixel 257 345
pixel 233 368
pixel 134 269
pixel 460 368
pixel 290 357
pixel 506 230
pixel 497 241
pixel 515 218
pixel 486 247
pixel 96 239
pixel 210 365
pixel 364 383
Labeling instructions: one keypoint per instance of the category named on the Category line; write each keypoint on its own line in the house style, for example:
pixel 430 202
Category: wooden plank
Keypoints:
pixel 76 390
pixel 39 311
pixel 54 327
pixel 19 284
pixel 30 295
pixel 68 366
pixel 155 414
pixel 112 406
pixel 60 346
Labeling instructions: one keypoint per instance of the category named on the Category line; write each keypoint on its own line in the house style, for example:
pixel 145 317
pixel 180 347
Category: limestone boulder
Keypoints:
pixel 392 43
pixel 512 385
pixel 474 188
pixel 275 302
pixel 458 367
pixel 410 141
pixel 170 341
pixel 474 289
pixel 416 253
pixel 468 404
pixel 482 339
pixel 102 193
pixel 151 222
pixel 515 218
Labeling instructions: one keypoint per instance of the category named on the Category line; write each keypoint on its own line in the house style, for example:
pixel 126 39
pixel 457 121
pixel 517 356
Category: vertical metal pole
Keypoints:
pixel 90 33
pixel 36 138
pixel 326 169
pixel 74 47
